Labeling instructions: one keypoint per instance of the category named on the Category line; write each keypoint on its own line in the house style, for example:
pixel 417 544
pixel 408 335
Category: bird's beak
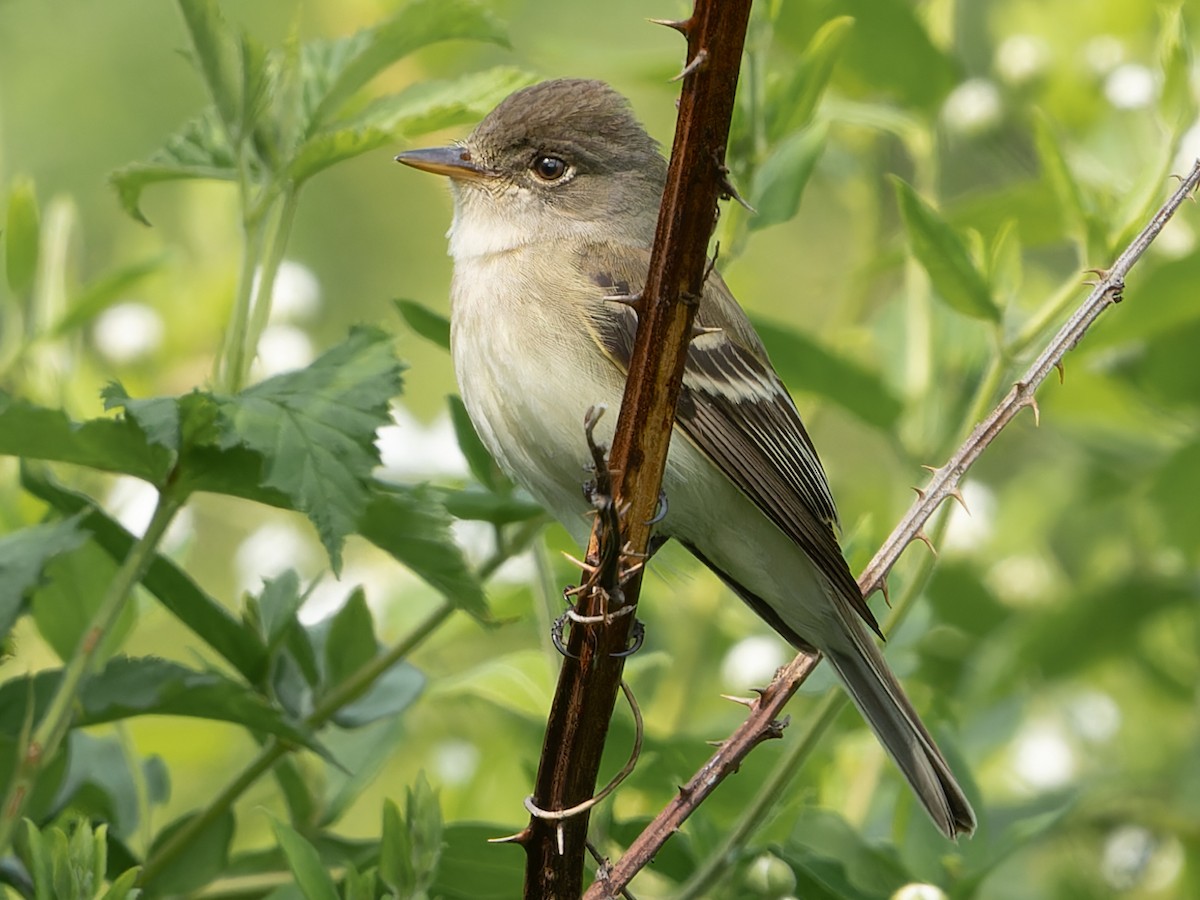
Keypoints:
pixel 454 162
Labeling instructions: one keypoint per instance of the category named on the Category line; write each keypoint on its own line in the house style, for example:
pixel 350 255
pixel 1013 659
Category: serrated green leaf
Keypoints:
pixel 409 524
pixel 206 858
pixel 780 181
pixel 335 70
pixel 24 556
pixel 305 863
pixel 158 417
pixel 22 236
pixel 792 102
pixel 169 584
pixel 315 430
pixel 807 365
pixel 479 460
pixel 428 106
pixel 424 321
pixel 199 150
pixel 943 254
pixel 135 686
pixel 351 639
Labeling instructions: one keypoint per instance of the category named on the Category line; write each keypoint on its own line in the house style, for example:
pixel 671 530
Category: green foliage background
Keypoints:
pixel 930 179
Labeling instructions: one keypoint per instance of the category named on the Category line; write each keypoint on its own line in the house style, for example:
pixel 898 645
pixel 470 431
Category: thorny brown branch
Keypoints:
pixel 762 723
pixel 591 673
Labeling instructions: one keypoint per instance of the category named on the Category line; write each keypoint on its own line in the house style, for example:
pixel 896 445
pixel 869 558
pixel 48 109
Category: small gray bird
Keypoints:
pixel 556 195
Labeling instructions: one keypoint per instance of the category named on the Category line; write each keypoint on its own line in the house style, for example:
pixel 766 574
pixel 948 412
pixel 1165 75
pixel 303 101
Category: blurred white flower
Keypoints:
pixel 1177 239
pixel 296 294
pixel 409 450
pixel 1127 853
pixel 282 348
pixel 1042 758
pixel 1022 580
pixel 918 891
pixel 973 107
pixel 1130 86
pixel 132 501
pixel 271 549
pixel 752 662
pixel 1189 150
pixel 1021 58
pixel 968 531
pixel 380 581
pixel 1094 716
pixel 1104 53
pixel 128 332
pixel 455 761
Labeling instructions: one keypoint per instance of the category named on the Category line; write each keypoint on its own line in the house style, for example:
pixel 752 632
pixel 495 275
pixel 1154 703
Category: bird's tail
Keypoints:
pixel 878 695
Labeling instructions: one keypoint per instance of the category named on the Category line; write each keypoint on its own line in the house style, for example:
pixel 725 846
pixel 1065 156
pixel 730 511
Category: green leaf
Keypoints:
pixel 24 556
pixel 158 417
pixel 199 150
pixel 305 863
pixel 215 48
pixel 358 886
pixel 484 506
pixel 169 584
pixel 35 432
pixel 423 817
pixel 395 856
pixel 104 292
pixel 277 604
pixel 428 106
pixel 780 181
pixel 389 695
pixel 315 430
pixel 1177 103
pixel 22 235
pixel 206 858
pixel 1057 172
pixel 414 528
pixel 63 608
pixel 424 321
pixel 32 849
pixel 943 254
pixel 361 754
pixel 807 365
pixel 99 782
pixel 123 887
pixel 479 460
pixel 351 639
pixel 136 686
pixel 469 873
pixel 792 102
pixel 335 70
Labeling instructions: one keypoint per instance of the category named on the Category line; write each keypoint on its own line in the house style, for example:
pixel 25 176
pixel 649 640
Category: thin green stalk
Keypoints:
pixel 231 363
pixel 345 693
pixel 278 234
pixel 56 721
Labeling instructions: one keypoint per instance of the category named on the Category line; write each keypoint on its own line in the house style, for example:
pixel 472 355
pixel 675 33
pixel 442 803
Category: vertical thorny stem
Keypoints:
pixel 588 684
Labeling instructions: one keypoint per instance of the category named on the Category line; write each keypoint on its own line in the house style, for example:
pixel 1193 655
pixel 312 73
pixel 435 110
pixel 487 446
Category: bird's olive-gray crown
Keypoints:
pixel 567 156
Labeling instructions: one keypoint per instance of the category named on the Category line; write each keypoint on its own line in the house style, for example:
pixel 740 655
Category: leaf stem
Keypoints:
pixel 278 234
pixel 56 721
pixel 231 362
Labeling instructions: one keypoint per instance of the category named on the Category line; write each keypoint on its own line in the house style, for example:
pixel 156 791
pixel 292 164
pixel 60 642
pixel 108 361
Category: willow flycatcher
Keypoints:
pixel 556 195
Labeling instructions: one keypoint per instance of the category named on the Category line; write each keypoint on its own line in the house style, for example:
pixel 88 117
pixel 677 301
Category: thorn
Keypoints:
pixel 717 744
pixel 1099 273
pixel 924 539
pixel 728 191
pixel 633 301
pixel 1092 283
pixel 558 834
pixel 586 567
pixel 521 837
pixel 698 60
pixel 933 469
pixel 1037 413
pixel 685 791
pixel 957 494
pixel 744 701
pixel 920 492
pixel 887 594
pixel 1062 373
pixel 683 26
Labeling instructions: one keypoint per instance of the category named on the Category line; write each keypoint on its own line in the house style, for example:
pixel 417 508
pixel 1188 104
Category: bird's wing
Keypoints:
pixel 735 409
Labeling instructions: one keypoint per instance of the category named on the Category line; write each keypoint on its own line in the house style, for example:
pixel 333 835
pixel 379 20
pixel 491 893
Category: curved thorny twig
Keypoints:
pixel 944 482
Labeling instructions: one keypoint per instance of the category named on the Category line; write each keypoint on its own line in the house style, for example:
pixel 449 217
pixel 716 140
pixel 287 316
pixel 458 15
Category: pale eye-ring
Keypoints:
pixel 549 168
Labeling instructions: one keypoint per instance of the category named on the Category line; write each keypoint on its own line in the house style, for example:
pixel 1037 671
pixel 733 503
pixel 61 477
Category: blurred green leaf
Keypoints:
pixel 100 783
pixel 63 608
pixel 135 686
pixel 169 584
pixel 943 255
pixel 206 858
pixel 22 236
pixel 780 181
pixel 24 556
pixel 484 506
pixel 1057 173
pixel 423 818
pixel 198 150
pixel 215 51
pixel 411 525
pixel 791 102
pixel 471 869
pixel 123 888
pixel 33 850
pixel 823 834
pixel 361 753
pixel 358 885
pixel 315 430
pixel 806 365
pixel 519 682
pixel 1175 489
pixel 1004 262
pixel 104 291
pixel 277 605
pixel 1177 103
pixel 427 106
pixel 395 860
pixel 389 695
pixel 305 863
pixel 335 70
pixel 479 460
pixel 351 639
pixel 425 322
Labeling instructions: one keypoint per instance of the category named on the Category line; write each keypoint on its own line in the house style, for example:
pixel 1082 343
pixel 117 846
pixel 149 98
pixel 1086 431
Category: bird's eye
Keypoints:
pixel 549 168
